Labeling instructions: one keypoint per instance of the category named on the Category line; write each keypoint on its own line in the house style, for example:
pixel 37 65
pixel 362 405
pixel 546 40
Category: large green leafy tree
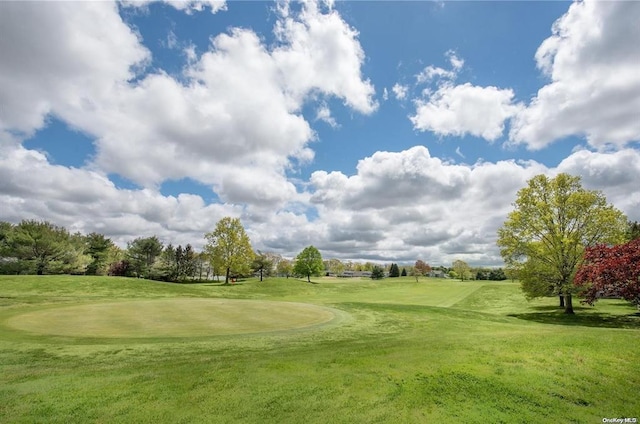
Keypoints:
pixel 142 253
pixel 308 263
pixel 462 269
pixel 545 236
pixel 263 264
pixel 284 267
pixel 229 247
pixel 335 266
pixel 42 246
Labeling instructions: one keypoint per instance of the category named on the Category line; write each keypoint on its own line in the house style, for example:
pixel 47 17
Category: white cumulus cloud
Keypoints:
pixel 236 111
pixel 465 109
pixel 450 109
pixel 187 6
pixel 592 60
pixel 320 51
pixel 87 201
pixel 61 56
pixel 410 205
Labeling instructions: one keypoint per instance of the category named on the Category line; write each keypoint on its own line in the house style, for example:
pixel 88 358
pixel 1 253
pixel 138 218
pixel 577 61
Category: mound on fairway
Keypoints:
pixel 171 318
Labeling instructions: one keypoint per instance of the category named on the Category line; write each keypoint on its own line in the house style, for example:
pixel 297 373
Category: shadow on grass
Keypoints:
pixel 585 319
pixel 549 308
pixel 560 310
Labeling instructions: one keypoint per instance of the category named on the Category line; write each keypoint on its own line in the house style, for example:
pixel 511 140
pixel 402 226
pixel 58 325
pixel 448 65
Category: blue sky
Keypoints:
pixel 386 131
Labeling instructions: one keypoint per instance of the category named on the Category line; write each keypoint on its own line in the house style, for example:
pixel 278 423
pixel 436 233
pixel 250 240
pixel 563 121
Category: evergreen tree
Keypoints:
pixel 497 275
pixel 46 248
pixel 97 246
pixel 142 253
pixel 377 273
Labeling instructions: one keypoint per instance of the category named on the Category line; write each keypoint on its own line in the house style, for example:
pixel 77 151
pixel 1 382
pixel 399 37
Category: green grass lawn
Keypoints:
pixel 114 350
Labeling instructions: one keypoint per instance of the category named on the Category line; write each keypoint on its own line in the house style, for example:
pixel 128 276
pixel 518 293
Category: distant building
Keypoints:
pixel 351 274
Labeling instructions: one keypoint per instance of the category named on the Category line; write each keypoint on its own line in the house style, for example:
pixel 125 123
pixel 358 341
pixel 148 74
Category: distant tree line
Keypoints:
pixel 40 247
pixel 35 247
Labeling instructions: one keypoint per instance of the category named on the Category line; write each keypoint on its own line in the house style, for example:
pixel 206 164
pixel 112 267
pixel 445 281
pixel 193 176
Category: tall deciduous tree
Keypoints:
pixel 308 263
pixel 203 266
pixel 229 247
pixel 263 263
pixel 284 267
pixel 335 266
pixel 545 236
pixel 462 269
pixel 420 268
pixel 611 270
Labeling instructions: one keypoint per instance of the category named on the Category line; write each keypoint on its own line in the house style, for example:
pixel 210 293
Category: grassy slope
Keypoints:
pixel 476 352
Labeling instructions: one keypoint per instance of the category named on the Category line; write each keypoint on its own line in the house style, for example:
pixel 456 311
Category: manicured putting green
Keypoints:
pixel 171 318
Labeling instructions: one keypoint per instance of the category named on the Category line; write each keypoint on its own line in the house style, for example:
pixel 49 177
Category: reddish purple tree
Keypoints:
pixel 611 271
pixel 420 268
pixel 120 269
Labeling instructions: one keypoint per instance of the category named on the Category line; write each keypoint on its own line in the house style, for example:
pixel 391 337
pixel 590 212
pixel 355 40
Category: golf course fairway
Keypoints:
pixel 99 349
